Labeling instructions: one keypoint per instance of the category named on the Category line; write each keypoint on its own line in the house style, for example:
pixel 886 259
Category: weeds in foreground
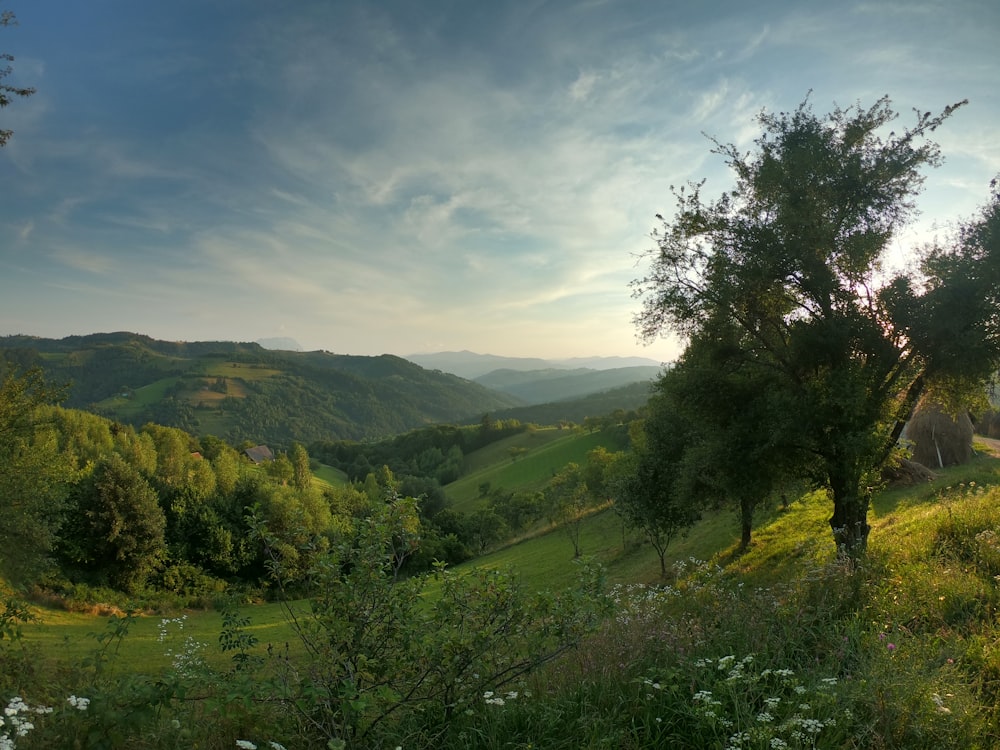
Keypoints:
pixel 899 652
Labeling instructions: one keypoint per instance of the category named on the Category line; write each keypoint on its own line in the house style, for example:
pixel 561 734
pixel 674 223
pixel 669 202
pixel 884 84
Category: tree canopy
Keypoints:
pixel 789 264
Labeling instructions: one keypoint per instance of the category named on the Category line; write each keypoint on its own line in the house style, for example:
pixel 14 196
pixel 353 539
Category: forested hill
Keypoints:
pixel 241 391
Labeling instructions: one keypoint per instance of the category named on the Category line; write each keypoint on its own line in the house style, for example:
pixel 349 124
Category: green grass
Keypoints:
pixel 331 476
pixel 239 370
pixel 141 398
pixel 548 451
pixel 64 638
pixel 908 637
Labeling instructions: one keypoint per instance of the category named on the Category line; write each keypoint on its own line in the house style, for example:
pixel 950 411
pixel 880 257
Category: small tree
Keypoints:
pixel 485 528
pixel 566 498
pixel 302 474
pixel 648 489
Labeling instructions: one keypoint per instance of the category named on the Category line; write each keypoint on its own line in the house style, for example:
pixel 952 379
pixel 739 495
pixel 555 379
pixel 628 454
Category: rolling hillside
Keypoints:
pixel 241 391
pixel 552 384
pixel 471 365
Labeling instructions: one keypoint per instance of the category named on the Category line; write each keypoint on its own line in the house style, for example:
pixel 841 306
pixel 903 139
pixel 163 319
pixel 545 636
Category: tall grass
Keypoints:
pixel 785 646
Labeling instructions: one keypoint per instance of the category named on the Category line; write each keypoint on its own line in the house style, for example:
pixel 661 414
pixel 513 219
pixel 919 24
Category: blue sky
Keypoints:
pixel 423 175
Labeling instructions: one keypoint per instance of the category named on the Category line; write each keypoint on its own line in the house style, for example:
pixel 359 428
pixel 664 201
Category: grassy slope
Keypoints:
pixel 548 450
pixel 785 541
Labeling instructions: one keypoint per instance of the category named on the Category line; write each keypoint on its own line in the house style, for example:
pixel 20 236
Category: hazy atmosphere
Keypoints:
pixel 423 176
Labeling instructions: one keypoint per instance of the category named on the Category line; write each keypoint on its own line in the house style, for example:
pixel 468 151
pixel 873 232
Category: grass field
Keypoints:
pixel 331 476
pixel 548 451
pixel 140 399
pixel 785 541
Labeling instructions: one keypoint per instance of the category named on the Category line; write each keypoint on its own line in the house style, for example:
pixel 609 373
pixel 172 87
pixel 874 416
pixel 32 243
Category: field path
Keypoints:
pixel 990 443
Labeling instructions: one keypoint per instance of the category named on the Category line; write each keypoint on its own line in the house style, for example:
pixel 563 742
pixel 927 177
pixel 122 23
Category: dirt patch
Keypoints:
pixel 992 446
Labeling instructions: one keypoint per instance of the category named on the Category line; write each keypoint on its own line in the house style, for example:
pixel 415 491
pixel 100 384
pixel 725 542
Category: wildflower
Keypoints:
pixel 78 703
pixel 891 646
pixel 245 745
pixel 764 717
pixel 939 702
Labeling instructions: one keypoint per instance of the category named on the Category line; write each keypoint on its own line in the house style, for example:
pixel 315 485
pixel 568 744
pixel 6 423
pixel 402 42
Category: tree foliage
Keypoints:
pixel 7 91
pixel 33 472
pixel 116 526
pixel 791 259
pixel 652 486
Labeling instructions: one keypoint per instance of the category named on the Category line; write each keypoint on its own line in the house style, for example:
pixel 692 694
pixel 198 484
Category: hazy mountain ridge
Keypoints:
pixel 471 365
pixel 631 397
pixel 553 385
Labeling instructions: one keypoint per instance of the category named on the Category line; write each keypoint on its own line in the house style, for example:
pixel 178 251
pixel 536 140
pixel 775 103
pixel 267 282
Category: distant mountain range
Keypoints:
pixel 540 381
pixel 470 365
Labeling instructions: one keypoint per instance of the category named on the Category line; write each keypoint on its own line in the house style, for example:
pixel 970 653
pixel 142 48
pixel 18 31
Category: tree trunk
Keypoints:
pixel 849 520
pixel 746 524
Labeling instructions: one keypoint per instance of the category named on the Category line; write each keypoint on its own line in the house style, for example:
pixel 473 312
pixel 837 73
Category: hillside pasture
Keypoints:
pixel 547 451
pixel 140 398
pixel 331 476
pixel 240 370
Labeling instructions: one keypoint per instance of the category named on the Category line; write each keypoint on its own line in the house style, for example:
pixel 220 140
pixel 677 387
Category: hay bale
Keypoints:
pixel 938 438
pixel 906 473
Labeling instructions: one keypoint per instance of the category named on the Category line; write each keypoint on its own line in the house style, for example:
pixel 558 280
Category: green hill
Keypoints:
pixel 627 398
pixel 503 465
pixel 241 391
pixel 548 385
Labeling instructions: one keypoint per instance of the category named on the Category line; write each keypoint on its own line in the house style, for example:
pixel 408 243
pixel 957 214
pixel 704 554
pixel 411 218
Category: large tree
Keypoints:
pixel 792 258
pixel 116 529
pixel 736 424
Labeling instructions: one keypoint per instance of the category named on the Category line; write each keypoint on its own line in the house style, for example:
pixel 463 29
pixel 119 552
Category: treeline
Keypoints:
pixel 436 453
pixel 618 404
pixel 94 505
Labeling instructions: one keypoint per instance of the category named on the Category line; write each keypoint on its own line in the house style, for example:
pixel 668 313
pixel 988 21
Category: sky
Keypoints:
pixel 414 176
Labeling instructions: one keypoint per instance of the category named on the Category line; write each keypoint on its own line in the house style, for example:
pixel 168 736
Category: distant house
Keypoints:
pixel 259 454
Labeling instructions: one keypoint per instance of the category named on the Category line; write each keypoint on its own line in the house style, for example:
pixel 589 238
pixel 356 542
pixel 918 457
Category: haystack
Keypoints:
pixel 939 439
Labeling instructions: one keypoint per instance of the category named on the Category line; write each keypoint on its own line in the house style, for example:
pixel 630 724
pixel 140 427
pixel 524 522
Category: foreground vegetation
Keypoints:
pixel 783 646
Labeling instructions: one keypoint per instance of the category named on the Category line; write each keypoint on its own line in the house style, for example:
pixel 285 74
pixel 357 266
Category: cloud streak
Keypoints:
pixel 372 179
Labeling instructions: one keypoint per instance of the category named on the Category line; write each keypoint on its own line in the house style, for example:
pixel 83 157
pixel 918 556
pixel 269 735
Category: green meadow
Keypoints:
pixel 895 652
